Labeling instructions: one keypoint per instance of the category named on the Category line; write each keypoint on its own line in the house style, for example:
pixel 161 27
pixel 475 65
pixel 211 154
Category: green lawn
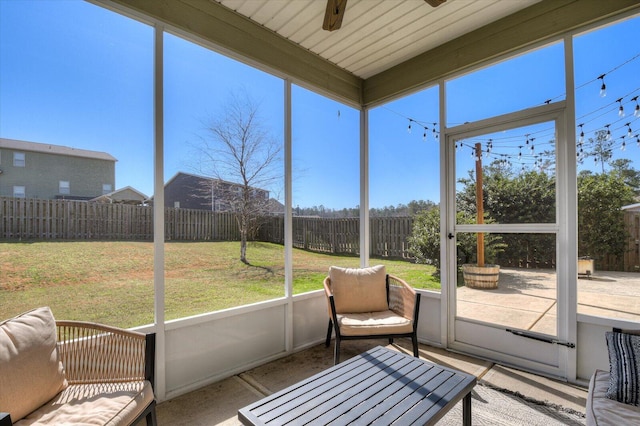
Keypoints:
pixel 112 282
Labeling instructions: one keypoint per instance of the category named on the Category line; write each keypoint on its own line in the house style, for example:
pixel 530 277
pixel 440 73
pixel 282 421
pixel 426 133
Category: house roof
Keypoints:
pixel 206 178
pixel 127 193
pixel 632 207
pixel 384 49
pixel 54 149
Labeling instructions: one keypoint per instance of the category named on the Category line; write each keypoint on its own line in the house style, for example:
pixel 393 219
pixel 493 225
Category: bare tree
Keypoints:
pixel 244 158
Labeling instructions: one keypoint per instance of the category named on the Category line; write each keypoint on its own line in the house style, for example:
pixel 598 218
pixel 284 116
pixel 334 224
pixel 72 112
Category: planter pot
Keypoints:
pixel 586 267
pixel 483 277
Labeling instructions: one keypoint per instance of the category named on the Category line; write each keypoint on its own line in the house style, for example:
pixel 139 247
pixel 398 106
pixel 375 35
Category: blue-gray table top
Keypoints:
pixel 380 386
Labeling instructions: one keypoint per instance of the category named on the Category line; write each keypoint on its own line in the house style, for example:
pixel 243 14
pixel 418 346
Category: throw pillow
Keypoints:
pixel 357 290
pixel 624 367
pixel 30 369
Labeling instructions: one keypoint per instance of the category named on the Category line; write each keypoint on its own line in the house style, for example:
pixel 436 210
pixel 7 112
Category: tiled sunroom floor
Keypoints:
pixel 218 404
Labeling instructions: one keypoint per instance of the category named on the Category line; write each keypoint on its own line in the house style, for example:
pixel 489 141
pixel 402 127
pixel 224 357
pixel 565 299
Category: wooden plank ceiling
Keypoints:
pixel 374 35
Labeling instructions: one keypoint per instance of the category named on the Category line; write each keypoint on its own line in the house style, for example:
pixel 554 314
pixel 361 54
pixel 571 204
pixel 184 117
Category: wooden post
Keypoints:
pixel 479 204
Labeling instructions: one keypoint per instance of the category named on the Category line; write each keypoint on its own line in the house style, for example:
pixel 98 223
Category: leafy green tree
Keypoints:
pixel 623 167
pixel 601 228
pixel 424 243
pixel 509 197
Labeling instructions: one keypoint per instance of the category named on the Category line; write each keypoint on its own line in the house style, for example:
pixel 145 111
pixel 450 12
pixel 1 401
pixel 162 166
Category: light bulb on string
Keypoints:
pixel 621 109
pixel 520 153
pixel 581 140
pixel 608 137
pixel 424 135
pixel 629 131
pixel 527 141
pixel 623 147
pixel 603 88
pixel 409 128
pixel 435 134
pixel 636 111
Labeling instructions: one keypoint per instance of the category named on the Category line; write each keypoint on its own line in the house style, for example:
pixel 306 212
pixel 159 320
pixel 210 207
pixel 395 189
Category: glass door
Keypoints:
pixel 505 200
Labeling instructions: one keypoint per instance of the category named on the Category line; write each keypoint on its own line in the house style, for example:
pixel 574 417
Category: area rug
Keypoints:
pixel 497 407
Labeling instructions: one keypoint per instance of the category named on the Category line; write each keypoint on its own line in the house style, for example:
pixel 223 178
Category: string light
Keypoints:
pixel 529 159
pixel 581 133
pixel 621 109
pixel 603 88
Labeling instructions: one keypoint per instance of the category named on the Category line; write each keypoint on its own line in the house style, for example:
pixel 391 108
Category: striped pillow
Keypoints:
pixel 624 367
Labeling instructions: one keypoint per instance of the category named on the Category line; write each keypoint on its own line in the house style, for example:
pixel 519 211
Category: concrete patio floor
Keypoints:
pixel 218 404
pixel 524 299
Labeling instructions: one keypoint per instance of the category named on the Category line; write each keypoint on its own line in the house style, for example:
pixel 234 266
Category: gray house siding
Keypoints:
pixel 189 191
pixel 45 166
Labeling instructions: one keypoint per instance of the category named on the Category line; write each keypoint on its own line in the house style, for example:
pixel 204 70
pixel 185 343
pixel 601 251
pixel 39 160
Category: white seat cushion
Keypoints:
pixel 95 404
pixel 603 411
pixel 373 323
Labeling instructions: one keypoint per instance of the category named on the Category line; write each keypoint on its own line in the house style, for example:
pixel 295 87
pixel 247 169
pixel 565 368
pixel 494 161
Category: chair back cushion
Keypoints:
pixel 30 369
pixel 359 289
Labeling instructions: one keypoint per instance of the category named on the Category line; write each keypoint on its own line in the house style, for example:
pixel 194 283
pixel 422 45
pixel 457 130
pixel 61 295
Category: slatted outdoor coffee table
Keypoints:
pixel 380 387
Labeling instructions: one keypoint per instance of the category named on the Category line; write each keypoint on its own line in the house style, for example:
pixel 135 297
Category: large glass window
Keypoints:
pixel 224 177
pixel 608 150
pixel 326 188
pixel 404 185
pixel 76 78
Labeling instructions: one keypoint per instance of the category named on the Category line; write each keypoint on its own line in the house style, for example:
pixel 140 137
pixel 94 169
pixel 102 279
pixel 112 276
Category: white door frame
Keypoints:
pixel 556 360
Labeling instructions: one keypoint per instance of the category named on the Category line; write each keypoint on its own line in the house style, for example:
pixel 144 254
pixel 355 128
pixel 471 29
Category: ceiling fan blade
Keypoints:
pixel 334 14
pixel 435 3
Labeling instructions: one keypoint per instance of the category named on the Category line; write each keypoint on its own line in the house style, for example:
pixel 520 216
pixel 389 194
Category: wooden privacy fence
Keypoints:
pixel 388 235
pixel 33 219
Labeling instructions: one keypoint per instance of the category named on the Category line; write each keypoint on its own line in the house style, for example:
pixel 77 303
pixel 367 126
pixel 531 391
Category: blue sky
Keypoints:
pixel 75 74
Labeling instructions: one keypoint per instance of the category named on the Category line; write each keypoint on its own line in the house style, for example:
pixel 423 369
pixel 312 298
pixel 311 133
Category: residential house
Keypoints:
pixel 46 171
pixel 126 195
pixel 189 191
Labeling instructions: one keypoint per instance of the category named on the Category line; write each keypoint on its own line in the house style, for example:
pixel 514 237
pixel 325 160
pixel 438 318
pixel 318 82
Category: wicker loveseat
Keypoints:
pixel 367 303
pixel 72 372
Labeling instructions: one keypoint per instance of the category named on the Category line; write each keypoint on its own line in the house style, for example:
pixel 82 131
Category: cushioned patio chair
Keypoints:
pixel 72 372
pixel 366 303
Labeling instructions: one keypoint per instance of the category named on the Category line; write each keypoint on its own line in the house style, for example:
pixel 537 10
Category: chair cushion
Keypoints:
pixel 374 323
pixel 31 372
pixel 603 411
pixel 94 404
pixel 359 289
pixel 624 367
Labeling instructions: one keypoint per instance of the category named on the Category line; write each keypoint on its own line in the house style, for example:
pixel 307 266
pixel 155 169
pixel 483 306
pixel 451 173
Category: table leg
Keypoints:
pixel 466 410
